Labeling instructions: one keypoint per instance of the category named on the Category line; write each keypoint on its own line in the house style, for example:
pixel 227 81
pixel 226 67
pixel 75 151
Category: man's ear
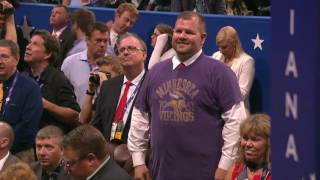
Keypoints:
pixel 4 142
pixel 48 56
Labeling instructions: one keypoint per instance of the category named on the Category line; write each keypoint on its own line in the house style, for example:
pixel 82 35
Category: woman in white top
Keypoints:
pixel 231 53
pixel 161 42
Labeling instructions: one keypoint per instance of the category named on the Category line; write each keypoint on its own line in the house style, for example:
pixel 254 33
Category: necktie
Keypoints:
pixel 181 66
pixel 123 100
pixel 1 95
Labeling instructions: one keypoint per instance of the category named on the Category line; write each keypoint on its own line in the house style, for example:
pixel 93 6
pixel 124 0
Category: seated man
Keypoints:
pixel 86 157
pixel 6 139
pixel 49 154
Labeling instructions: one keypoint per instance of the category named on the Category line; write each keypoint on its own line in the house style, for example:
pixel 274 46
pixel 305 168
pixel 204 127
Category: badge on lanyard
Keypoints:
pixel 118 133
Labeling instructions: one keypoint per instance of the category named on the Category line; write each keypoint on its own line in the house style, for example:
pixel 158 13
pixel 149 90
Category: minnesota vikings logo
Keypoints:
pixel 175 100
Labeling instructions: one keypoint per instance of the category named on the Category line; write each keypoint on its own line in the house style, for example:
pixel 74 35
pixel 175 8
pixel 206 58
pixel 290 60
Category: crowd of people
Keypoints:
pixel 78 103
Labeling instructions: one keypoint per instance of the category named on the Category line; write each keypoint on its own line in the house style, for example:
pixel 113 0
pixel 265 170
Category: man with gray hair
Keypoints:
pixel 49 154
pixel 6 139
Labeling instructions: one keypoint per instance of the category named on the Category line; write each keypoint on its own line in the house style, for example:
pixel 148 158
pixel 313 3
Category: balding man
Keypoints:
pixel 6 140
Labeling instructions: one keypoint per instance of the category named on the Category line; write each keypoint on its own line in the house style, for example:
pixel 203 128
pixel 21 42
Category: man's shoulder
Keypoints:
pixel 111 170
pixel 74 58
pixel 26 81
pixel 12 159
pixel 113 81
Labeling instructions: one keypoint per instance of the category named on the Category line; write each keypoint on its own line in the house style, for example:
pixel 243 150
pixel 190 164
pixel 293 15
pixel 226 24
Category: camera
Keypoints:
pixel 94 79
pixel 5 10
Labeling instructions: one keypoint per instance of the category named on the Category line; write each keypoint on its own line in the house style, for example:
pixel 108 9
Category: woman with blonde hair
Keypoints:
pixel 231 53
pixel 254 148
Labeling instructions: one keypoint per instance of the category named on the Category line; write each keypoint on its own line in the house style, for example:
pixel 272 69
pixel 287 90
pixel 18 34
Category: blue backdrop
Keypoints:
pixel 248 28
pixel 295 89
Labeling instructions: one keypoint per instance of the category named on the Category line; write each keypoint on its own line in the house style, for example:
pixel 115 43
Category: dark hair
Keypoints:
pixel 86 139
pixel 50 131
pixel 65 8
pixel 84 18
pixel 188 15
pixel 166 29
pixel 14 48
pixel 126 35
pixel 100 26
pixel 50 43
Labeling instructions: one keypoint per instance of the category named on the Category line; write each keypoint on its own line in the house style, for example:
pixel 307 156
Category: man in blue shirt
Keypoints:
pixel 21 104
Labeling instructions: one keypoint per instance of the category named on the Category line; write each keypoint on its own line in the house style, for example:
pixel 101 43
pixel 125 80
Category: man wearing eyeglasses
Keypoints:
pixel 117 95
pixel 86 157
pixel 20 101
pixel 49 154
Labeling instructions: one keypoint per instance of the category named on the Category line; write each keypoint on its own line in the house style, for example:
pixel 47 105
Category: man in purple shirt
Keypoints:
pixel 193 108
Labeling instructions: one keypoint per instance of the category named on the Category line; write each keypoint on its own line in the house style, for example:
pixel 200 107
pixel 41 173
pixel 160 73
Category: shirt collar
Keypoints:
pixel 3 160
pixel 101 165
pixel 176 61
pixel 83 55
pixel 136 80
pixel 9 81
pixel 59 32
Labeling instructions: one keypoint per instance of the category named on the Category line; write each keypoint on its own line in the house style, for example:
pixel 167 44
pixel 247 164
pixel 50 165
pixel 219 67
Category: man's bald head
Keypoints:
pixel 6 135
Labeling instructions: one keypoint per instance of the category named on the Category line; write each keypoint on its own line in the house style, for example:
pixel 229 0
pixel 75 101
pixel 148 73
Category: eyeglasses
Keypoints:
pixel 4 57
pixel 130 49
pixel 70 163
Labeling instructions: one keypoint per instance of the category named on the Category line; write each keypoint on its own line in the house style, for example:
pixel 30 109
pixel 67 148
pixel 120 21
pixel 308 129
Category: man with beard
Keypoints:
pixel 78 67
pixel 194 108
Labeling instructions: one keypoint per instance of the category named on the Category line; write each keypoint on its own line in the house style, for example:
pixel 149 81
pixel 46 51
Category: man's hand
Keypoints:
pixel 46 104
pixel 141 172
pixel 220 174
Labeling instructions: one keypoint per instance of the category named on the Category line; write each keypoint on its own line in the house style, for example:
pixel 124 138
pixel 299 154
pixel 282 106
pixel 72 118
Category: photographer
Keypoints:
pixel 7 24
pixel 109 67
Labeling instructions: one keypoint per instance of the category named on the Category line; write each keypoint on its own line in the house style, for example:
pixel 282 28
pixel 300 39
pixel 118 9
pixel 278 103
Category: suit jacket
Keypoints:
pixel 12 159
pixel 66 40
pixel 106 105
pixel 37 169
pixel 111 171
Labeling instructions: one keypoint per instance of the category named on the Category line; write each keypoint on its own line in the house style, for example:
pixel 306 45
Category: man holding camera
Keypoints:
pixel 59 101
pixel 78 67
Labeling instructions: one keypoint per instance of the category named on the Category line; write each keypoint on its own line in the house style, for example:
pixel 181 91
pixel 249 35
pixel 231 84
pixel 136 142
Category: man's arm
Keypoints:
pixel 11 33
pixel 230 134
pixel 65 114
pixel 138 141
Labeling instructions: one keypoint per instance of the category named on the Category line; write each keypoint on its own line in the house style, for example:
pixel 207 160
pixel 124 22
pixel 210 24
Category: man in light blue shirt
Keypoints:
pixel 78 67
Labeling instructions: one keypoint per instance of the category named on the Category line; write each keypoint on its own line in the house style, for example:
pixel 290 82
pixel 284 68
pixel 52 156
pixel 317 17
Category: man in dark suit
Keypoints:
pixel 112 120
pixel 49 154
pixel 86 157
pixel 6 137
pixel 59 21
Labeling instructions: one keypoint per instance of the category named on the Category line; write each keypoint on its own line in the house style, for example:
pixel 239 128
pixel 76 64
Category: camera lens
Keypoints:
pixel 94 78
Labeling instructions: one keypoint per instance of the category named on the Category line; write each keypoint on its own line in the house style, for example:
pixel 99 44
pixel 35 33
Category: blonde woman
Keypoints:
pixel 231 53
